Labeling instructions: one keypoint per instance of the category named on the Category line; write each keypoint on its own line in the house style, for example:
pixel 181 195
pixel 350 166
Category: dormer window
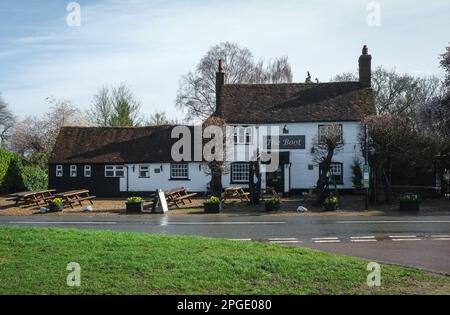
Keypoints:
pixel 243 135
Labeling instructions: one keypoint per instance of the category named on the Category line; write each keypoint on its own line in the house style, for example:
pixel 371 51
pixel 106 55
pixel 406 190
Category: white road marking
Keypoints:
pixel 382 222
pixel 283 239
pixel 439 236
pixel 403 236
pixel 325 238
pixel 441 239
pixel 406 239
pixel 224 223
pixel 328 241
pixel 363 240
pixel 361 237
pixel 285 242
pixel 62 222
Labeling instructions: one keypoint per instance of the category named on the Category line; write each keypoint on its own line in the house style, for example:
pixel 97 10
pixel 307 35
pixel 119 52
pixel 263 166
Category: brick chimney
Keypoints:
pixel 220 81
pixel 365 68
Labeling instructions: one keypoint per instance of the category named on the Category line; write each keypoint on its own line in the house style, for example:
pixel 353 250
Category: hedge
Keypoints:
pixel 14 176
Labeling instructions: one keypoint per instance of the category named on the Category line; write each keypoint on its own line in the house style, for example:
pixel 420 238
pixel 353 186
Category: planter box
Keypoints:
pixel 410 205
pixel 330 206
pixel 272 207
pixel 212 208
pixel 135 207
pixel 55 207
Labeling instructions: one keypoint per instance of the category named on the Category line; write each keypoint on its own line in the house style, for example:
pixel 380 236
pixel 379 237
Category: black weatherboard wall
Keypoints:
pixel 97 184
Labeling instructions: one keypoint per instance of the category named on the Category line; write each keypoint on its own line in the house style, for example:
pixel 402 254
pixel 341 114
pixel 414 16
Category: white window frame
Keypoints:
pixel 73 171
pixel 59 171
pixel 243 135
pixel 87 171
pixel 177 168
pixel 240 172
pixel 114 169
pixel 144 168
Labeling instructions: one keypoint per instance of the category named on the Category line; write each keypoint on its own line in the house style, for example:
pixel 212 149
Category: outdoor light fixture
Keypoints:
pixel 285 129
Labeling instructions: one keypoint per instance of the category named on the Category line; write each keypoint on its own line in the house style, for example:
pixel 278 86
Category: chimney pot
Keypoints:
pixel 221 66
pixel 365 50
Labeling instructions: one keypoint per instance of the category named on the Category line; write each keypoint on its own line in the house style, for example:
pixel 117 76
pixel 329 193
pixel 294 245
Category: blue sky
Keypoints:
pixel 151 44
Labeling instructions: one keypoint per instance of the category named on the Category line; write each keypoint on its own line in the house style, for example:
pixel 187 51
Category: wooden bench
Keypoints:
pixel 235 192
pixel 76 196
pixel 178 196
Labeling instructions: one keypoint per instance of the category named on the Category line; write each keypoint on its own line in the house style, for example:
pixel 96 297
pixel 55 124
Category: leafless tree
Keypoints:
pixel 115 106
pixel 196 93
pixel 399 94
pixel 38 133
pixel 445 64
pixel 159 119
pixel 328 143
pixel 6 121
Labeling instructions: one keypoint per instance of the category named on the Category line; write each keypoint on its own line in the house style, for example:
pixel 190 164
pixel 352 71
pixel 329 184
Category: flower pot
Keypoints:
pixel 330 206
pixel 411 205
pixel 272 206
pixel 212 207
pixel 55 207
pixel 135 207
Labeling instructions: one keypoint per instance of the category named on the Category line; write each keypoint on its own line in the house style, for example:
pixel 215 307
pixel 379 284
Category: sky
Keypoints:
pixel 150 44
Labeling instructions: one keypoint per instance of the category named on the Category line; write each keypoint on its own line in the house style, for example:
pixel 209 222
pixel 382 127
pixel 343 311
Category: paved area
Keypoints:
pixel 419 241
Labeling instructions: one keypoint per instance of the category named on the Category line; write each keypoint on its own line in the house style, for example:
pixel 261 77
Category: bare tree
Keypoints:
pixel 159 119
pixel 445 64
pixel 38 134
pixel 196 93
pixel 115 106
pixel 100 112
pixel 398 94
pixel 6 121
pixel 325 145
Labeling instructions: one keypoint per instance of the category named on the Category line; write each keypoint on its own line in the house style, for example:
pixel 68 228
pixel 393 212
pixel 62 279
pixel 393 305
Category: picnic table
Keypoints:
pixel 75 196
pixel 235 193
pixel 178 196
pixel 32 197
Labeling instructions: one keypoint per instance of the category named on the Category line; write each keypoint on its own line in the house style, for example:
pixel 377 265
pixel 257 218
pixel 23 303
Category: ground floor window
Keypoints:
pixel 240 172
pixel 335 173
pixel 179 171
pixel 87 171
pixel 59 170
pixel 114 171
pixel 144 171
pixel 73 171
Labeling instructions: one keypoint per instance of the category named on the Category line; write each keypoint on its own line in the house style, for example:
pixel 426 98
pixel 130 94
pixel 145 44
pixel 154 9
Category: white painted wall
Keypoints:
pixel 300 176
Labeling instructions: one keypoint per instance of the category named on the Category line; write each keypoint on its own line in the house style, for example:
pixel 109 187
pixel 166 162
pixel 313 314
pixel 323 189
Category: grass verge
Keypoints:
pixel 34 261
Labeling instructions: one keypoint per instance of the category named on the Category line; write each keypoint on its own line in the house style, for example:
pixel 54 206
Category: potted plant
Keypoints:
pixel 135 205
pixel 56 205
pixel 213 205
pixel 331 203
pixel 409 202
pixel 272 204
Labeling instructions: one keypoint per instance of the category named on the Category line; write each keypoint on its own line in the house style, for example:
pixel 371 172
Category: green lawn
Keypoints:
pixel 33 261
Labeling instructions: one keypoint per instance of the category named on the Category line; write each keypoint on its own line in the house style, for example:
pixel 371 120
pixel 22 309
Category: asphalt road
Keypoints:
pixel 419 241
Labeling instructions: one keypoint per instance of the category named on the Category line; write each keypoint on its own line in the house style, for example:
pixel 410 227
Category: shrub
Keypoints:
pixel 272 201
pixel 57 201
pixel 34 178
pixel 409 197
pixel 213 201
pixel 135 200
pixel 331 200
pixel 10 165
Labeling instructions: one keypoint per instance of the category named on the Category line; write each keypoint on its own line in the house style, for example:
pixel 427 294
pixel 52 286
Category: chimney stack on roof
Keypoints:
pixel 365 68
pixel 220 81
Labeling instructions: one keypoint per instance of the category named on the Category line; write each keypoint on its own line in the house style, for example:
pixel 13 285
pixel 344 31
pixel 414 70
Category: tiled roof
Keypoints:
pixel 92 145
pixel 296 102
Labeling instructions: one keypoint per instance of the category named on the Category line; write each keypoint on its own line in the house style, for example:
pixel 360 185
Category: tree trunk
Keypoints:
pixel 216 178
pixel 322 182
